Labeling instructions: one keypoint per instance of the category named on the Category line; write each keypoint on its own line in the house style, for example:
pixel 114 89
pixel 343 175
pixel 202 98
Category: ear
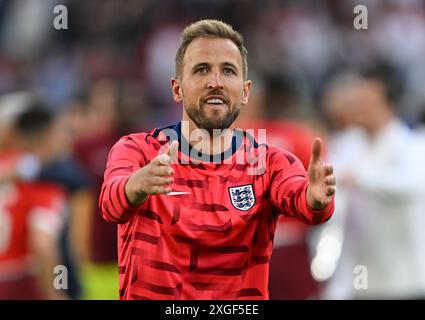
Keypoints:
pixel 245 92
pixel 176 89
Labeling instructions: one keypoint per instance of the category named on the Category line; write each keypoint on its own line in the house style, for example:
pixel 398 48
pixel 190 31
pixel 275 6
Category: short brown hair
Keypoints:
pixel 209 28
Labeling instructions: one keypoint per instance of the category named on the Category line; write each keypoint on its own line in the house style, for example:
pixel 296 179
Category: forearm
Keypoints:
pixel 132 191
pixel 117 201
pixel 311 211
pixel 293 203
pixel 113 202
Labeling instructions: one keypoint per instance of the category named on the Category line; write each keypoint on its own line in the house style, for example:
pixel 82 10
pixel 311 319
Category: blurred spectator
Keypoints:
pixel 377 162
pixel 100 127
pixel 32 215
pixel 65 170
pixel 10 106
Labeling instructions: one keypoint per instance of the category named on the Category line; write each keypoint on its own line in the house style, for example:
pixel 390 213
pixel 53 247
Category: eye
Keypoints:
pixel 229 71
pixel 202 70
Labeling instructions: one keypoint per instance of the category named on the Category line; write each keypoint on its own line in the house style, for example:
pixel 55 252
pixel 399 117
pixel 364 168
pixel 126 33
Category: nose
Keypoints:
pixel 215 81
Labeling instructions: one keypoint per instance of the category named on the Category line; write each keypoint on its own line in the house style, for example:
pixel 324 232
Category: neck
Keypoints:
pixel 205 142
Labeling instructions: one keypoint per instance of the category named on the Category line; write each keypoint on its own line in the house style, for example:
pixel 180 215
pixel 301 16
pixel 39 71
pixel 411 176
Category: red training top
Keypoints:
pixel 215 241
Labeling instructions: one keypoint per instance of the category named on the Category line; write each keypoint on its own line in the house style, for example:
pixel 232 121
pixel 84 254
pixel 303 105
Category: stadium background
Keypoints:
pixel 108 75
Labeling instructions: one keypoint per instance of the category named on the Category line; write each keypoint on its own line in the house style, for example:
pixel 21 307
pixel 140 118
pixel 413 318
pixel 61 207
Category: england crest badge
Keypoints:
pixel 242 197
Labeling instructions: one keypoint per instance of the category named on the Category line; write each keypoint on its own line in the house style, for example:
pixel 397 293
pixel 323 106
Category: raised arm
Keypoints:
pixel 130 178
pixel 296 193
pixel 154 178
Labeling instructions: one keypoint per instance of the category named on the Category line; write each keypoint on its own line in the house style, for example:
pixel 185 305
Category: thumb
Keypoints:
pixel 316 150
pixel 169 154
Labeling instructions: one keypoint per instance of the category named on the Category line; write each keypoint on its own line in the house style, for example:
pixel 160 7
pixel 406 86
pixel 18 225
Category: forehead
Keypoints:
pixel 368 90
pixel 212 50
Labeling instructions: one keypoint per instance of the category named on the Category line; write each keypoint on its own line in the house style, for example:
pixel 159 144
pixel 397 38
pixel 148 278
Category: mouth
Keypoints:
pixel 216 102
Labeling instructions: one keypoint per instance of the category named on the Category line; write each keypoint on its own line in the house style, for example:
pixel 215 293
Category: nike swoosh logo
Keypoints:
pixel 176 193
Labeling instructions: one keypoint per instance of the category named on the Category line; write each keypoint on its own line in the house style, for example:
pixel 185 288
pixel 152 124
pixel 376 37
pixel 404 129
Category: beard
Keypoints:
pixel 212 119
pixel 216 119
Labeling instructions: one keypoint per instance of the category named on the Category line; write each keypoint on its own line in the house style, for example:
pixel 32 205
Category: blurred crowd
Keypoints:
pixel 67 95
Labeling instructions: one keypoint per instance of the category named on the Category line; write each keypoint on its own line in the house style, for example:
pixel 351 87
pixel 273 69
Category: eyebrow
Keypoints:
pixel 198 65
pixel 229 64
pixel 206 64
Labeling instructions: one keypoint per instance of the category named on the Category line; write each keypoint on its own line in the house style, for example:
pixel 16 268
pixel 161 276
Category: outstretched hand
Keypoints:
pixel 154 178
pixel 322 181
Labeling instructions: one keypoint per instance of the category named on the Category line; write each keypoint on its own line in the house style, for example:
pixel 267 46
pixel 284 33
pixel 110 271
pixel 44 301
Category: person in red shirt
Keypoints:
pixel 31 218
pixel 196 203
pixel 31 214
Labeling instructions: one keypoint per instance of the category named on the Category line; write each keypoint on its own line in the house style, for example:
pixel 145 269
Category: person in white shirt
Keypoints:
pixel 376 252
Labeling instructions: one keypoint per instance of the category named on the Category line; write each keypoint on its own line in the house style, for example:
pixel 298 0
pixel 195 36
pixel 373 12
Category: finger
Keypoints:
pixel 172 150
pixel 162 159
pixel 160 190
pixel 162 171
pixel 316 150
pixel 330 180
pixel 328 168
pixel 330 190
pixel 161 181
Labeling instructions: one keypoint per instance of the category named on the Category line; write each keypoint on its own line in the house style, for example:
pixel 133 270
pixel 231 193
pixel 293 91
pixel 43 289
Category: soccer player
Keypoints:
pixel 196 203
pixel 31 216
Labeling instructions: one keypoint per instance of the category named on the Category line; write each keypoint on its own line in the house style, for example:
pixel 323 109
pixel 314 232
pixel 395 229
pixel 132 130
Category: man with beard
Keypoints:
pixel 196 203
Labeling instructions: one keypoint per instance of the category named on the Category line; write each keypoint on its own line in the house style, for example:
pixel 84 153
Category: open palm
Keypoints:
pixel 322 181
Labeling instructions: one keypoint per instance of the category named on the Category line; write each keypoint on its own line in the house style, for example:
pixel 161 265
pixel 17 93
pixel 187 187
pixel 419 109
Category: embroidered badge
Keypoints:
pixel 242 197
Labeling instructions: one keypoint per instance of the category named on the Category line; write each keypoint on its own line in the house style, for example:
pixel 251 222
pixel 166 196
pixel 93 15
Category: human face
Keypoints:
pixel 211 87
pixel 370 108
